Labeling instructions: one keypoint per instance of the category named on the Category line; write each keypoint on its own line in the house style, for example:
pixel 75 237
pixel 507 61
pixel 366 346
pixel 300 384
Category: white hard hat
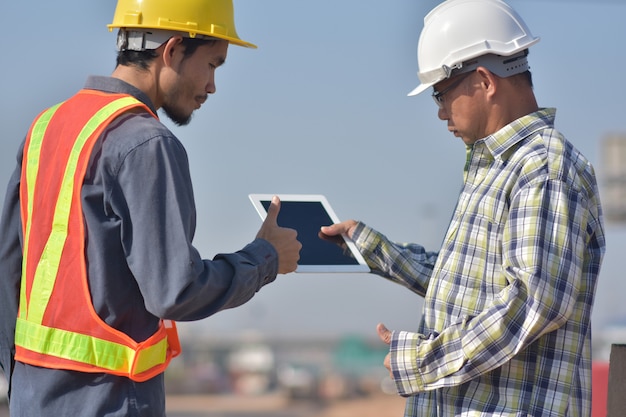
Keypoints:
pixel 463 34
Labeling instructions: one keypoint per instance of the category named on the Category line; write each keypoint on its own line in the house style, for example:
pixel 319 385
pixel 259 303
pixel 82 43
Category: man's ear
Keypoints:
pixel 488 80
pixel 171 48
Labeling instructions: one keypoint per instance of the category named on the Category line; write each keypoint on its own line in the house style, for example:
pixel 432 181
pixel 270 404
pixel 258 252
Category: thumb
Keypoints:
pixel 384 333
pixel 272 212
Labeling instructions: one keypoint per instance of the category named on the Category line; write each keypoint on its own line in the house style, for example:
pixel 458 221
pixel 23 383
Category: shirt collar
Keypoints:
pixel 504 139
pixel 115 85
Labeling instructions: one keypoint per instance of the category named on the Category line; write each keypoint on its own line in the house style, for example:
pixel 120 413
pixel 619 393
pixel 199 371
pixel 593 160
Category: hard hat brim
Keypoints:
pixel 420 89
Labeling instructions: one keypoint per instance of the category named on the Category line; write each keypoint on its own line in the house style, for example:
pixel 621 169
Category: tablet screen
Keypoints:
pixel 319 253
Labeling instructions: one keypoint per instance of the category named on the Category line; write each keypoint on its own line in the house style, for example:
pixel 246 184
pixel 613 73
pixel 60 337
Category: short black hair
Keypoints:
pixel 143 59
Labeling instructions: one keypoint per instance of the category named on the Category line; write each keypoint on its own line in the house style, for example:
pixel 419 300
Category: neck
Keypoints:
pixel 516 102
pixel 144 80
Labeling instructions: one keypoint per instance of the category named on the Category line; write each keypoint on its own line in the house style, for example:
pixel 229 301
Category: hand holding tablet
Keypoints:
pixel 307 213
pixel 283 239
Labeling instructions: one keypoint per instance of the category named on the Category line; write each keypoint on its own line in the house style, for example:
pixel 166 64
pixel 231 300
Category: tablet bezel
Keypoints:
pixel 360 266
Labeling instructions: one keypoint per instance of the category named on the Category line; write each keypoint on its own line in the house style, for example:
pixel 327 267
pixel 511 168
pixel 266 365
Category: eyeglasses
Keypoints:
pixel 438 95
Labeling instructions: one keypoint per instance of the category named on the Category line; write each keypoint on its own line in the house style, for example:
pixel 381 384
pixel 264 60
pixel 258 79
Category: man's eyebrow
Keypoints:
pixel 219 61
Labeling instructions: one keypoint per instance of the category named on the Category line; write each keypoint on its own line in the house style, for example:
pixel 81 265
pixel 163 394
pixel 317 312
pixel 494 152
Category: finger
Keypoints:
pixel 384 333
pixel 273 210
pixel 332 230
pixel 336 239
pixel 327 230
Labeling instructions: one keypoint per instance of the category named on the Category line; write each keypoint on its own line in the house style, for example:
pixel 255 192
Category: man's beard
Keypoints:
pixel 177 116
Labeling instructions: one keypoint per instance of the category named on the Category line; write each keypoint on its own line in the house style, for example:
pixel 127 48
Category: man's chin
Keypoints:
pixel 178 118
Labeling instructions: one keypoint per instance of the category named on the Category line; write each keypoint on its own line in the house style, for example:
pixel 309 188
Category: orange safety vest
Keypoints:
pixel 57 326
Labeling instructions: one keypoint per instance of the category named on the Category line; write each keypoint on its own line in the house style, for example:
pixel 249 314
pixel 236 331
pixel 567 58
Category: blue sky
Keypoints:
pixel 321 107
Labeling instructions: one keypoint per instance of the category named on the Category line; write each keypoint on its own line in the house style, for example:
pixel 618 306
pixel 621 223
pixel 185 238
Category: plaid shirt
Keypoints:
pixel 506 324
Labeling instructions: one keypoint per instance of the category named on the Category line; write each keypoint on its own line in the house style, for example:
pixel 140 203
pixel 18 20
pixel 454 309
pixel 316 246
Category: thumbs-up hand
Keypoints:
pixel 283 239
pixel 385 335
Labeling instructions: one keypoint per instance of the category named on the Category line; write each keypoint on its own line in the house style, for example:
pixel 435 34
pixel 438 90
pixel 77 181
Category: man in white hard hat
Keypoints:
pixel 96 255
pixel 505 329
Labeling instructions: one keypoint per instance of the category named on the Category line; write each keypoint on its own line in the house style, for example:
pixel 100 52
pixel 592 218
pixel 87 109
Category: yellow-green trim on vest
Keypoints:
pixel 34 151
pixel 87 349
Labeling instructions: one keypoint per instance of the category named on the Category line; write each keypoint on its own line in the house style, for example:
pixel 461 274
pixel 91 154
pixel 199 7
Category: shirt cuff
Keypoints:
pixel 264 255
pixel 404 362
pixel 365 238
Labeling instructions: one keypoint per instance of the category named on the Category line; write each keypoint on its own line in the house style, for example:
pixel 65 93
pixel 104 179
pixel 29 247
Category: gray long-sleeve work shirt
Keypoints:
pixel 140 220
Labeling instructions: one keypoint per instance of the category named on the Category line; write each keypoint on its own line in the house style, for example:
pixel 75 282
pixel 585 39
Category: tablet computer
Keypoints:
pixel 307 213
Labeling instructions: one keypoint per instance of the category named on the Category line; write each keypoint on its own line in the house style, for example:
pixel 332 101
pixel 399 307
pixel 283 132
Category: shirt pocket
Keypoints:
pixel 471 271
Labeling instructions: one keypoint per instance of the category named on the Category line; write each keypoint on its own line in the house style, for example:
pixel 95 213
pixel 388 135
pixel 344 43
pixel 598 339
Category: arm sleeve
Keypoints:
pixel 10 269
pixel 544 246
pixel 156 203
pixel 409 265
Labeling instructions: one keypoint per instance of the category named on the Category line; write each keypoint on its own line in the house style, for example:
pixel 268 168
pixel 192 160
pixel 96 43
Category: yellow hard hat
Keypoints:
pixel 213 18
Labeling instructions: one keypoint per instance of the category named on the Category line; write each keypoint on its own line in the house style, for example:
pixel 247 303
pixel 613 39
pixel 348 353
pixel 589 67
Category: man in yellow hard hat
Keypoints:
pixel 506 323
pixel 97 260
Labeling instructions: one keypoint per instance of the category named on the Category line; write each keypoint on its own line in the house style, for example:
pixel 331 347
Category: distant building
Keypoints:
pixel 613 177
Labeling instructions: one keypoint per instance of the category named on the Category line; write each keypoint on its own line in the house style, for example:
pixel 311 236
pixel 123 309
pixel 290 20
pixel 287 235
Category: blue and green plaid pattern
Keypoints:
pixel 505 329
